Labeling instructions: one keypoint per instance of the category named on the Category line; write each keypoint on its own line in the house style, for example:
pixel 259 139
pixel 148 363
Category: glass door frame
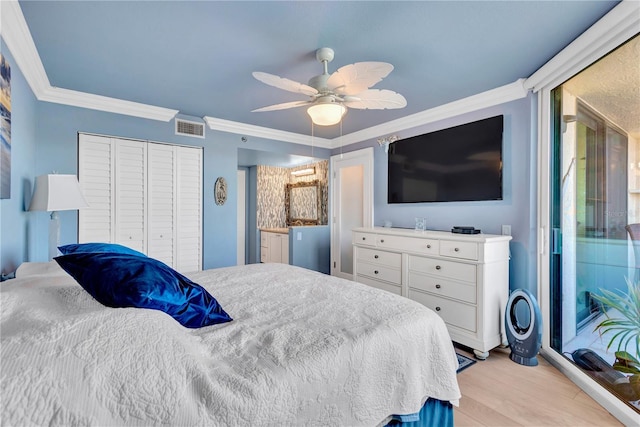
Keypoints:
pixel 619 25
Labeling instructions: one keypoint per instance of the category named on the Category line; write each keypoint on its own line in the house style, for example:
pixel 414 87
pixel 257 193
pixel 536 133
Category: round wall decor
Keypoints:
pixel 220 191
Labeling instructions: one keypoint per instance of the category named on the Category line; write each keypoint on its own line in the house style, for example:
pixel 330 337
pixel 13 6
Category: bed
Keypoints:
pixel 303 348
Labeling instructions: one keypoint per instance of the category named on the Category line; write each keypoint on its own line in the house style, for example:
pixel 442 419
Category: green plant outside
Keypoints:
pixel 626 329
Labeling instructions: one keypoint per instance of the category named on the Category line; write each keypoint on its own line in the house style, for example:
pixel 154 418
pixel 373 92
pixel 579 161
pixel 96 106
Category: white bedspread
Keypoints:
pixel 303 349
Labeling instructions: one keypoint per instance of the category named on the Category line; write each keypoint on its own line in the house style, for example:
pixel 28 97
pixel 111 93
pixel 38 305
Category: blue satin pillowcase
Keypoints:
pixel 115 248
pixel 126 280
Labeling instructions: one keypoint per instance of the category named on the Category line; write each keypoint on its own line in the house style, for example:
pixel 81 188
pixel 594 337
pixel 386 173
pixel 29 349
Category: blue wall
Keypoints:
pixel 16 230
pixel 44 139
pixel 59 125
pixel 518 207
pixel 310 247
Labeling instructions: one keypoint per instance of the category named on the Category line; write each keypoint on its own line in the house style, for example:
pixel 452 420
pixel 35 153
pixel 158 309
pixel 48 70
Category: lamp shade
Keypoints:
pixel 57 193
pixel 326 114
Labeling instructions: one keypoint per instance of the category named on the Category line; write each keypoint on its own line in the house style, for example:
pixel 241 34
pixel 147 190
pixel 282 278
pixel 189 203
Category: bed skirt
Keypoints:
pixel 434 413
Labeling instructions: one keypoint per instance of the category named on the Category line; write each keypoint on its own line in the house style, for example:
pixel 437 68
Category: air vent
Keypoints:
pixel 189 128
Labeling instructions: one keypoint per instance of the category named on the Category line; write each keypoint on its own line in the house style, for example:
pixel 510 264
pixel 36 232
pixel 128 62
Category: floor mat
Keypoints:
pixel 464 362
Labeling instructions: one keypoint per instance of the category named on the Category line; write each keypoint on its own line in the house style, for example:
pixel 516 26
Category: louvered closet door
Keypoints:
pixel 97 181
pixel 189 209
pixel 130 195
pixel 161 205
pixel 147 196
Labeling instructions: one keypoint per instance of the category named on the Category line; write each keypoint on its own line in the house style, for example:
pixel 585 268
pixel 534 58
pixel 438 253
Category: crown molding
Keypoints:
pixel 16 35
pixel 264 132
pixel 490 98
pixel 620 24
pixel 103 103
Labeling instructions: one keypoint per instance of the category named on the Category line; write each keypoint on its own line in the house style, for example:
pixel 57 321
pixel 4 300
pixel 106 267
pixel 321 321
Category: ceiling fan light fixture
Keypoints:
pixel 326 114
pixel 329 95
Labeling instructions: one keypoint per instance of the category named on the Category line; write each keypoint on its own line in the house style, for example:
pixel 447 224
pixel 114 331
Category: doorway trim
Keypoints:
pixel 241 254
pixel 362 157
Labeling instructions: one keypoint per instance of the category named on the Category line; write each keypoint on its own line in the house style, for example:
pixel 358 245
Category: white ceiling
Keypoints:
pixel 197 56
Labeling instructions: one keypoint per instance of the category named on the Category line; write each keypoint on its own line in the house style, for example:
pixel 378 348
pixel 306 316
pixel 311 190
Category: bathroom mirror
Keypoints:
pixel 302 203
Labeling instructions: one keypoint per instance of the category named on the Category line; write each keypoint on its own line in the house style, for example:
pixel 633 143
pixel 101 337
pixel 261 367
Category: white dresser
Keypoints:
pixel 462 277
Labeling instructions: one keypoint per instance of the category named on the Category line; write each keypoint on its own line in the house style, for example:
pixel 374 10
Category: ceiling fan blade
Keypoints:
pixel 376 99
pixel 284 84
pixel 348 98
pixel 282 106
pixel 355 78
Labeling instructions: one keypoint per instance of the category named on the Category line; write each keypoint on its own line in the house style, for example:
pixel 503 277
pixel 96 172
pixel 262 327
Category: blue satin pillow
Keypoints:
pixel 115 248
pixel 125 280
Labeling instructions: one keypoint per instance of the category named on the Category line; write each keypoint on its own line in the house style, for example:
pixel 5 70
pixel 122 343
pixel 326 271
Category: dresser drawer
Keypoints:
pixel 452 312
pixel 379 272
pixel 376 256
pixel 442 268
pixel 408 244
pixel 263 254
pixel 395 289
pixel 364 238
pixel 462 250
pixel 463 291
pixel 264 238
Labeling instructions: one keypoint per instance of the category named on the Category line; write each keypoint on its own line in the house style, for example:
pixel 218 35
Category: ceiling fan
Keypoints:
pixel 331 94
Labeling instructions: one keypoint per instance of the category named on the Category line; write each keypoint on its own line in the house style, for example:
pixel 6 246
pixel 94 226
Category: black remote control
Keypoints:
pixel 460 229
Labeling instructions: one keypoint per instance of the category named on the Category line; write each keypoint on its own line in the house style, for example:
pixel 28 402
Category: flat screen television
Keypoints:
pixel 462 163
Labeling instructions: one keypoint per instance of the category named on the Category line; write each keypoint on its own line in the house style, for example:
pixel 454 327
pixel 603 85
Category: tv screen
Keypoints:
pixel 462 163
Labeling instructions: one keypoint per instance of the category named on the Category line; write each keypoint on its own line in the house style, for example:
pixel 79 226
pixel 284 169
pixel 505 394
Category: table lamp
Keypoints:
pixel 55 193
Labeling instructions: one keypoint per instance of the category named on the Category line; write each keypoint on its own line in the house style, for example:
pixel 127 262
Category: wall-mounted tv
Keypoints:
pixel 462 163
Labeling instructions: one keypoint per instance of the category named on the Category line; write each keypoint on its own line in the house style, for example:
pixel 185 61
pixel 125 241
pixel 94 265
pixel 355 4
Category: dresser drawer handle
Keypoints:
pixel 428 246
pixel 375 272
pixel 375 256
pixel 381 240
pixel 438 267
pixel 438 286
pixel 456 249
pixel 364 238
pixel 437 308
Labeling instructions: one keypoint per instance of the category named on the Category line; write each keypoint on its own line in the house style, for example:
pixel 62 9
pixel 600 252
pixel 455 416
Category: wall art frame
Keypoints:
pixel 5 128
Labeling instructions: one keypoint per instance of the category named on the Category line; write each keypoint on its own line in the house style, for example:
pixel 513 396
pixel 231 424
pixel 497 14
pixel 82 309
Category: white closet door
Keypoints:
pixel 130 196
pixel 161 202
pixel 189 209
pixel 147 196
pixel 97 181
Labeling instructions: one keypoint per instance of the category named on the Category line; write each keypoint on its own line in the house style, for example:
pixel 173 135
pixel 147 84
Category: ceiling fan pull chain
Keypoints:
pixel 341 139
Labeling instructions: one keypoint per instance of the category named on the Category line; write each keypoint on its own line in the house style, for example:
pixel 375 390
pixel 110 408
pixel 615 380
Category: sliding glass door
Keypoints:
pixel 593 199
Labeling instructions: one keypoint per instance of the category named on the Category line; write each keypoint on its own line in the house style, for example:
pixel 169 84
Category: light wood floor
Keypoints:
pixel 499 392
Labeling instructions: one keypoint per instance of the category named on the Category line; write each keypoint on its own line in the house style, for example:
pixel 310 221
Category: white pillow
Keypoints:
pixel 28 269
